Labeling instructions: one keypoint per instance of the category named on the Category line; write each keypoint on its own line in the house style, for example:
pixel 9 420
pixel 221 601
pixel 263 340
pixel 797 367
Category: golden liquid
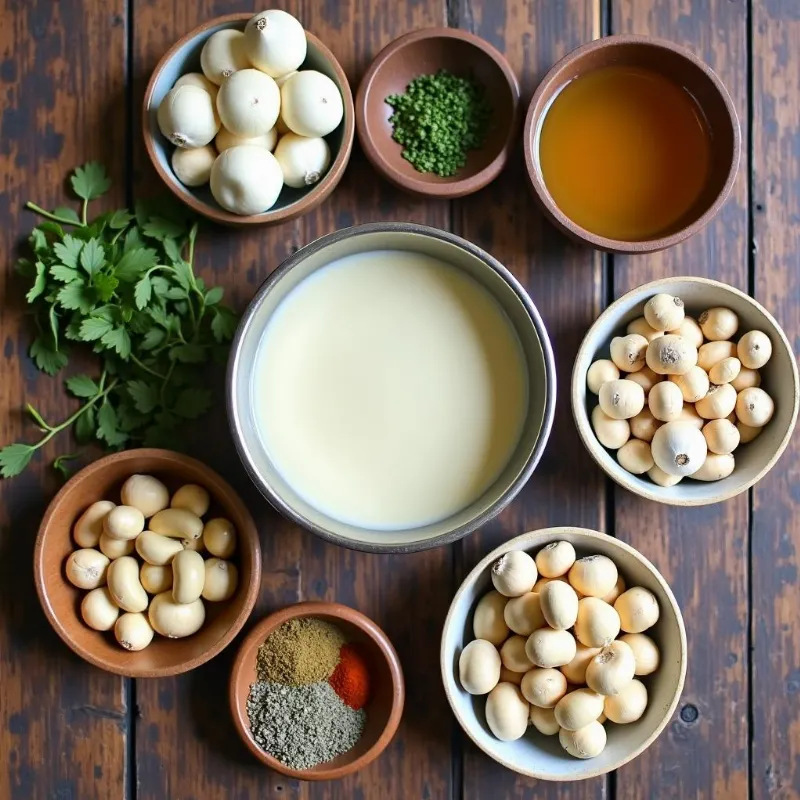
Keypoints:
pixel 625 153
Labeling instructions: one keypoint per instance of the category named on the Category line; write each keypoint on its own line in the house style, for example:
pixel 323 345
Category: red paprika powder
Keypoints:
pixel 351 680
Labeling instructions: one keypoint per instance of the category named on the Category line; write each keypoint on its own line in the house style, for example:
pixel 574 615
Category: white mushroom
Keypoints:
pixel 679 448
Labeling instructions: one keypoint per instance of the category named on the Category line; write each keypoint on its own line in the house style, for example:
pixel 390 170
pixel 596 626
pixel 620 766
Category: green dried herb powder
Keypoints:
pixel 300 651
pixel 438 119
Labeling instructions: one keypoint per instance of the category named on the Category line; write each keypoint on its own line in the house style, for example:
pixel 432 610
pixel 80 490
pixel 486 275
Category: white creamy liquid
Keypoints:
pixel 389 389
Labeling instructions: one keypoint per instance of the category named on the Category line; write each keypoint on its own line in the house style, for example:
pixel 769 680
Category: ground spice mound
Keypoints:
pixel 350 679
pixel 301 651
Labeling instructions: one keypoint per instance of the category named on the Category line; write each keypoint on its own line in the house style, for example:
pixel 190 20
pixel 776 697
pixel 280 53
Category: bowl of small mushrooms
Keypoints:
pixel 563 654
pixel 147 563
pixel 685 391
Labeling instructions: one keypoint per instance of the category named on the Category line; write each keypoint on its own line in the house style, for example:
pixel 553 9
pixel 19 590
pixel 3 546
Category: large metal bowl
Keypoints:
pixel 516 304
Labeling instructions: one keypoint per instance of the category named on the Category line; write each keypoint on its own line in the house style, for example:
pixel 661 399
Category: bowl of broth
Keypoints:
pixel 632 144
pixel 391 387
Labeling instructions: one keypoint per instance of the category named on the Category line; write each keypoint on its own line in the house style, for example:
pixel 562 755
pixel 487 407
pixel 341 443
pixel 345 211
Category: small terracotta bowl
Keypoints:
pixel 61 600
pixel 535 754
pixel 679 65
pixel 779 379
pixel 384 708
pixel 183 57
pixel 425 52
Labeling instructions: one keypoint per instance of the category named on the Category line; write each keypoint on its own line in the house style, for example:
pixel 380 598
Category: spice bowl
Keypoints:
pixel 754 459
pixel 666 60
pixel 387 689
pixel 425 52
pixel 61 600
pixel 537 755
pixel 184 57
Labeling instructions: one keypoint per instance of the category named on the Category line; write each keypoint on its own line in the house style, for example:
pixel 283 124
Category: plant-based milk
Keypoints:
pixel 389 389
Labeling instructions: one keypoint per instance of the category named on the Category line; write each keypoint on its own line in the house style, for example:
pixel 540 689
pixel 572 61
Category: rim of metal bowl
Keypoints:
pixel 508 495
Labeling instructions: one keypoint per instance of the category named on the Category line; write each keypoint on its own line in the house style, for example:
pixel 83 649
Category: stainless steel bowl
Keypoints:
pixel 463 255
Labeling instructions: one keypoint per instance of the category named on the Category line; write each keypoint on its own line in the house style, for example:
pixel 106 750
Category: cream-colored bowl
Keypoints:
pixel 541 756
pixel 779 378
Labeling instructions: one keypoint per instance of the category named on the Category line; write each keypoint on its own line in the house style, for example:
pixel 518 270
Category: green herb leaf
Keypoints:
pixel 184 275
pixel 90 181
pixel 223 326
pixel 193 403
pixel 108 426
pixel 188 353
pixel 75 297
pixel 130 419
pixel 119 340
pixel 53 228
pixel 69 250
pixel 153 338
pixel 120 219
pixel 134 262
pixel 133 240
pixel 143 292
pixel 214 295
pixel 94 328
pixel 86 426
pixel 82 386
pixel 161 229
pixel 14 458
pixel 176 293
pixel 68 213
pixel 172 250
pixel 38 241
pixel 60 463
pixel 64 274
pixel 160 286
pixel 39 282
pixel 53 318
pixel 145 396
pixel 92 256
pixel 47 359
pixel 106 285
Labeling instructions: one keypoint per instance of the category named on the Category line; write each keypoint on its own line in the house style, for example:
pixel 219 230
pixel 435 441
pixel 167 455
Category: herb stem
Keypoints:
pixel 167 378
pixel 63 220
pixel 143 366
pixel 84 208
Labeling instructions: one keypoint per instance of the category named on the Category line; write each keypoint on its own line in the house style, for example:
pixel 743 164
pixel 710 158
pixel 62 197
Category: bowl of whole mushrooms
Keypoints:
pixel 249 119
pixel 563 654
pixel 147 563
pixel 685 391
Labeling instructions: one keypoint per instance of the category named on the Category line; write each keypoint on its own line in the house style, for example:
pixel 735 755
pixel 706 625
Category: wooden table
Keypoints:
pixel 72 76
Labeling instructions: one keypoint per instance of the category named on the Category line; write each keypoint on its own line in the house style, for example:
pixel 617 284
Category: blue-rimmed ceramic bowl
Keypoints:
pixel 183 57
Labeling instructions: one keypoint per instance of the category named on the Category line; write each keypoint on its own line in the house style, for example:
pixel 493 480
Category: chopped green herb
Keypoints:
pixel 438 119
pixel 123 286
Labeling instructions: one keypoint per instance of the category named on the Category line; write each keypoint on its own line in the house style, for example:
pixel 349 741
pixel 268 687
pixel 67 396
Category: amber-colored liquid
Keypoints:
pixel 625 153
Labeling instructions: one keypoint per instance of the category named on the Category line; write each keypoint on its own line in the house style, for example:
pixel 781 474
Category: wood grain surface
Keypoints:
pixel 72 75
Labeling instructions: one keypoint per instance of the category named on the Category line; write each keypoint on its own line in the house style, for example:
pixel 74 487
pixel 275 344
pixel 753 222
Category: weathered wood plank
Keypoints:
pixel 62 73
pixel 702 552
pixel 565 281
pixel 185 744
pixel 776 519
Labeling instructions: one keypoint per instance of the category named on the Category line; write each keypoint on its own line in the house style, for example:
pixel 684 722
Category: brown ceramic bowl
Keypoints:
pixel 61 600
pixel 183 57
pixel 424 52
pixel 384 708
pixel 676 63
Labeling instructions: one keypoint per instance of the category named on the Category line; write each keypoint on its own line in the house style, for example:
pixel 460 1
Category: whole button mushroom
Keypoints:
pixel 712 353
pixel 598 623
pixel 593 576
pixel 512 654
pixel 221 580
pixel 555 559
pixel 665 401
pixel 718 402
pixel 693 384
pixel 715 468
pixel 176 620
pixel 523 614
pixel 514 573
pixel 559 603
pixel 87 568
pixel 645 652
pixel 635 457
pixel 303 160
pixel 146 493
pixel 754 407
pixel 155 579
pixel 575 671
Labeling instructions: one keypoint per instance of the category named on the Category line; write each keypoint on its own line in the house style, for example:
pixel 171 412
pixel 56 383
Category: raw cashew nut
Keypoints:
pixel 98 609
pixel 188 576
pixel 115 548
pixel 133 631
pixel 155 579
pixel 89 526
pixel 157 549
pixel 124 584
pixel 219 536
pixel 175 620
pixel 192 497
pixel 123 522
pixel 87 568
pixel 221 581
pixel 146 493
pixel 177 523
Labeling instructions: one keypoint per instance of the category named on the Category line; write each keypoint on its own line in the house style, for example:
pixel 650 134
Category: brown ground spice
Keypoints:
pixel 301 651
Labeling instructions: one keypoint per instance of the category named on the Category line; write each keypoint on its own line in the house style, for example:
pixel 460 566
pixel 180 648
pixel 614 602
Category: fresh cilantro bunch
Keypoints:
pixel 123 286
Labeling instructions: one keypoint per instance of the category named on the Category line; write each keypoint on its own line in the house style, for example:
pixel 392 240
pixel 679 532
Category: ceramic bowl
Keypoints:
pixel 676 63
pixel 541 756
pixel 504 288
pixel 183 57
pixel 61 600
pixel 779 378
pixel 384 708
pixel 425 52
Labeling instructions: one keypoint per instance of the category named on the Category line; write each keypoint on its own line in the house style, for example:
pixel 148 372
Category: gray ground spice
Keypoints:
pixel 302 726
